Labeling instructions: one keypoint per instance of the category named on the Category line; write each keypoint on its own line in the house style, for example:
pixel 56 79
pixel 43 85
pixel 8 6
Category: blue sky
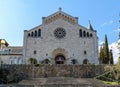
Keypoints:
pixel 19 15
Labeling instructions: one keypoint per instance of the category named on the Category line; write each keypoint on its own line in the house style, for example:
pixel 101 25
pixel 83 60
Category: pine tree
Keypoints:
pixel 106 51
pixel 111 57
pixel 101 55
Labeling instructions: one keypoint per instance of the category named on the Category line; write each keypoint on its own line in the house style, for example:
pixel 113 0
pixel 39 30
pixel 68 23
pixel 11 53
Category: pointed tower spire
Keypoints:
pixel 90 26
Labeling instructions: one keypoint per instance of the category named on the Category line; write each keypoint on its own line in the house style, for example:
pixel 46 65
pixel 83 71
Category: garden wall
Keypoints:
pixel 37 71
pixel 14 86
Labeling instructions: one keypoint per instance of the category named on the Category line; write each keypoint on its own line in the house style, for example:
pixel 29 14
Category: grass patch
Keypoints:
pixel 111 83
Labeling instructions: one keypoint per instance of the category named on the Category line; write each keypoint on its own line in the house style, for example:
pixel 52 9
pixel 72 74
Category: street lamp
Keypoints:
pixel 2 43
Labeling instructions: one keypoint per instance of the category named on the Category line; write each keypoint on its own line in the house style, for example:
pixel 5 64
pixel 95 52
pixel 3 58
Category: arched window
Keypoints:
pixel 35 52
pixel 80 33
pixel 39 33
pixel 15 60
pixel 28 34
pixel 10 60
pixel 35 33
pixel 84 33
pixel 19 60
pixel 32 34
pixel 91 35
pixel 87 34
pixel 85 61
pixel 85 52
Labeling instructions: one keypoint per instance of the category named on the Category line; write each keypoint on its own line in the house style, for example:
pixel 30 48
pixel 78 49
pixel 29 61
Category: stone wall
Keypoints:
pixel 15 86
pixel 72 85
pixel 47 45
pixel 37 71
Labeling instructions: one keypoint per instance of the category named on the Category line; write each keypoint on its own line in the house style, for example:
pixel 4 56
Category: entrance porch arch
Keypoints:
pixel 60 59
pixel 59 56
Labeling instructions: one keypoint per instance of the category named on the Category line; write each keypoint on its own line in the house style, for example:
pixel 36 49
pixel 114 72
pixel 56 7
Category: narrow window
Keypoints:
pixel 90 35
pixel 85 52
pixel 84 33
pixel 87 34
pixel 28 34
pixel 39 33
pixel 10 60
pixel 9 51
pixel 80 33
pixel 15 60
pixel 32 34
pixel 19 60
pixel 34 52
pixel 35 33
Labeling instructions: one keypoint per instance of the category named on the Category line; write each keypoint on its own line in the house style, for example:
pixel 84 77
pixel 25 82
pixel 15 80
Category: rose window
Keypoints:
pixel 59 33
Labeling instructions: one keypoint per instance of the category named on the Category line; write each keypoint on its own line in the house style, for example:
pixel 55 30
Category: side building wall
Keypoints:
pixel 12 55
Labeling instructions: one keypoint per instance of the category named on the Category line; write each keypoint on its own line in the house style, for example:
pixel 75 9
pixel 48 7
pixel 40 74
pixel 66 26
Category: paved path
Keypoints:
pixel 64 82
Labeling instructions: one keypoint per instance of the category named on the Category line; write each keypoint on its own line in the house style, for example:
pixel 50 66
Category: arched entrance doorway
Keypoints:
pixel 59 56
pixel 59 59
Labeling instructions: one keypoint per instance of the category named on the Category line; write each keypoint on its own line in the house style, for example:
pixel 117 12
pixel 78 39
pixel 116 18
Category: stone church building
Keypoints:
pixel 61 39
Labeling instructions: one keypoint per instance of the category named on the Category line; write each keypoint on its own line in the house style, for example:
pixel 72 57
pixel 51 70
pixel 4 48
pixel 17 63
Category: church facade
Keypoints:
pixel 61 40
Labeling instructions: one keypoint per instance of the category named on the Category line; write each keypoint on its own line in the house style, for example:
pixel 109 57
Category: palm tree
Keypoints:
pixel 45 61
pixel 32 60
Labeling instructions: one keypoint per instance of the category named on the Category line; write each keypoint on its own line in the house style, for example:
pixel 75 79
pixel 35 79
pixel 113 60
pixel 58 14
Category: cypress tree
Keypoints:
pixel 106 51
pixel 119 45
pixel 101 55
pixel 111 57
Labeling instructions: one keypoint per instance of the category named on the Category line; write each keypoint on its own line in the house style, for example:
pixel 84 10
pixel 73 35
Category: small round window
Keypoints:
pixel 59 33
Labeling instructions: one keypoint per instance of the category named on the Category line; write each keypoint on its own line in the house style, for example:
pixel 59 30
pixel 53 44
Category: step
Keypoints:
pixel 57 82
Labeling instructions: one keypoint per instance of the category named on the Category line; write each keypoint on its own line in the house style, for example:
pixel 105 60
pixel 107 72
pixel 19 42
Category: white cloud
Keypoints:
pixel 117 30
pixel 107 23
pixel 115 51
pixel 101 43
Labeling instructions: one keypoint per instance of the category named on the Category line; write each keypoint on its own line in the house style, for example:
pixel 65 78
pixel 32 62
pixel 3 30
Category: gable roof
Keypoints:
pixel 60 15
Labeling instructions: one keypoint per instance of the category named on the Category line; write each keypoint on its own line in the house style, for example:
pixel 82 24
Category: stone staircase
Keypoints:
pixel 96 83
pixel 57 82
pixel 64 82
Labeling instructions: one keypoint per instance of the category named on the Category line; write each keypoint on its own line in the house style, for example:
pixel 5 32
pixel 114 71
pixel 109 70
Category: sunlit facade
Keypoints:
pixel 61 40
